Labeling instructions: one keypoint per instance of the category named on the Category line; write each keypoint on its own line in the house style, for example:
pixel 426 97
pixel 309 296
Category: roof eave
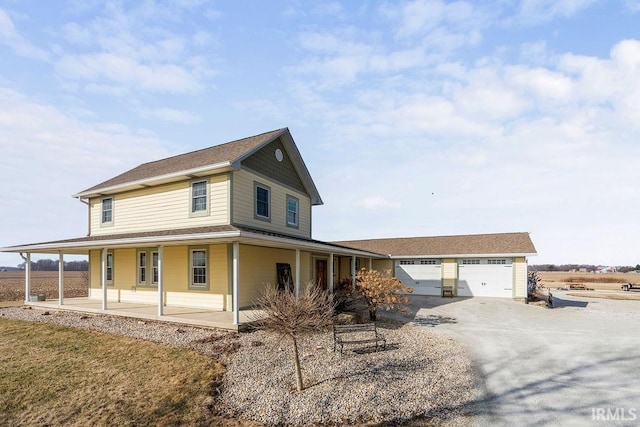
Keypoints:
pixel 157 180
pixel 467 255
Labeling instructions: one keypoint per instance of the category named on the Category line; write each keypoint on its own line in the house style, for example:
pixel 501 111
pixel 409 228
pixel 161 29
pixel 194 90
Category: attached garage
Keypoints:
pixel 423 275
pixel 485 277
pixel 477 265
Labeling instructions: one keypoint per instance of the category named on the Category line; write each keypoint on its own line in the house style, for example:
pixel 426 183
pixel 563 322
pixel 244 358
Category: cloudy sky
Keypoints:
pixel 415 118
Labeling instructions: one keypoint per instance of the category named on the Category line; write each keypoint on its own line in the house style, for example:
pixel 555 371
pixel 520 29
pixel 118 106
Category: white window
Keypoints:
pixel 109 268
pixel 496 261
pixel 263 201
pixel 142 268
pixel 470 261
pixel 199 203
pixel 198 268
pixel 107 211
pixel 428 262
pixel 154 267
pixel 407 262
pixel 292 211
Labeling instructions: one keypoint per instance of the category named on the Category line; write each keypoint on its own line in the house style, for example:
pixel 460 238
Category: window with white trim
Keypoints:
pixel 154 268
pixel 407 262
pixel 262 202
pixel 292 211
pixel 199 197
pixel 428 262
pixel 470 261
pixel 109 268
pixel 198 268
pixel 496 261
pixel 142 268
pixel 107 211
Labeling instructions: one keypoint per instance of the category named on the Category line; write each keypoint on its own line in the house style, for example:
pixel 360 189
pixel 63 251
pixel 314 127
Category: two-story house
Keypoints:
pixel 211 228
pixel 207 229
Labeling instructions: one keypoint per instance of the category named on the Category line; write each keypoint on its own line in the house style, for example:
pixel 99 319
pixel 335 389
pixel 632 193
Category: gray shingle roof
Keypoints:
pixel 228 152
pixel 476 244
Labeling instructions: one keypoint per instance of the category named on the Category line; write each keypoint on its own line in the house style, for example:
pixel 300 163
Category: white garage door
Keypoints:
pixel 423 275
pixel 484 277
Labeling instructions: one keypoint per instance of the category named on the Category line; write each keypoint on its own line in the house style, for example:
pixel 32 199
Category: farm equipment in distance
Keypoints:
pixel 630 286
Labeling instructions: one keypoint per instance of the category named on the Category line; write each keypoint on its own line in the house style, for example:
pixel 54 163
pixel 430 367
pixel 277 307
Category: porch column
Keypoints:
pixel 297 272
pixel 61 279
pixel 236 283
pixel 103 277
pixel 160 281
pixel 27 277
pixel 353 272
pixel 370 263
pixel 331 273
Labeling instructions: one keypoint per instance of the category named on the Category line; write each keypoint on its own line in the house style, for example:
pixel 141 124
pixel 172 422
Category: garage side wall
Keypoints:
pixel 450 273
pixel 520 277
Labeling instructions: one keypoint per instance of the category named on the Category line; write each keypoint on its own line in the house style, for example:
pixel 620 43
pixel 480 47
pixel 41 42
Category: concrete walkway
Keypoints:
pixel 574 365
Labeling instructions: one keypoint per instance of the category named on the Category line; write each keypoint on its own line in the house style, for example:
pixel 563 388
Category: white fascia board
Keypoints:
pixel 121 242
pixel 462 256
pixel 311 245
pixel 218 167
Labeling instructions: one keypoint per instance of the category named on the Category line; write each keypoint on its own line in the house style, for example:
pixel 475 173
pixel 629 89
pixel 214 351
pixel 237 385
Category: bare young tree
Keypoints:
pixel 289 315
pixel 381 290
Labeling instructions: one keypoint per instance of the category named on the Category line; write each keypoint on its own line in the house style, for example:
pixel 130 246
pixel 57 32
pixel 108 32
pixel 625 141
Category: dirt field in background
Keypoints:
pixel 603 281
pixel 42 283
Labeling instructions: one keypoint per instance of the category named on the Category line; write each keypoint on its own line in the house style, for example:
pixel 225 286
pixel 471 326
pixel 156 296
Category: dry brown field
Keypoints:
pixel 42 283
pixel 602 282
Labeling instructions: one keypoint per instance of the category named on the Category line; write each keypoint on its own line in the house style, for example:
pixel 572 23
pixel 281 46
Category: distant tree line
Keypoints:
pixel 588 267
pixel 52 265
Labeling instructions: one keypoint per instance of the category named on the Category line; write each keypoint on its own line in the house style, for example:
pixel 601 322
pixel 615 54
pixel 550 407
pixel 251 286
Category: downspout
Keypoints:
pixel 86 202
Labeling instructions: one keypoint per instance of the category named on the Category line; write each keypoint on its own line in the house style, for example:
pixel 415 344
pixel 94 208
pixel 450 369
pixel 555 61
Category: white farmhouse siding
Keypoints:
pixel 244 205
pixel 162 207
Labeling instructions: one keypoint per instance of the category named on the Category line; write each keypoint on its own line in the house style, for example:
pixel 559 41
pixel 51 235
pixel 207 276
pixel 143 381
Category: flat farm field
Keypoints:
pixel 599 282
pixel 42 283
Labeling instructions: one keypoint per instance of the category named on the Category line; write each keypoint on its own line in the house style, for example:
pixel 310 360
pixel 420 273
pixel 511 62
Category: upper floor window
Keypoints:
pixel 263 201
pixel 199 197
pixel 107 211
pixel 292 211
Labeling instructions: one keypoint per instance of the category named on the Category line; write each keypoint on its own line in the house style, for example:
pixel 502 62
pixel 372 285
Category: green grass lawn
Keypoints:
pixel 53 375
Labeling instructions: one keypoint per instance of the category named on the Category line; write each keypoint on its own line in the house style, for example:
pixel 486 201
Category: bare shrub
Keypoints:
pixel 382 290
pixel 292 316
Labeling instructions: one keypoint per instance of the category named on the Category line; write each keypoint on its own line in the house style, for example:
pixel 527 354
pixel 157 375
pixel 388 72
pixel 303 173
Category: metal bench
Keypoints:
pixel 447 291
pixel 357 334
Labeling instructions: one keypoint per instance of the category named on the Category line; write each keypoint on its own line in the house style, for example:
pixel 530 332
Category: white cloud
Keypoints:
pixel 378 202
pixel 130 47
pixel 171 115
pixel 10 37
pixel 538 11
pixel 47 155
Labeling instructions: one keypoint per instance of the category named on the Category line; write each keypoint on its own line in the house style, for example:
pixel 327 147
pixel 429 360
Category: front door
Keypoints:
pixel 321 273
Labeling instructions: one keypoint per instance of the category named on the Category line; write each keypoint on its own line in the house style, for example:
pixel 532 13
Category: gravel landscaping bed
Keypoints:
pixel 420 374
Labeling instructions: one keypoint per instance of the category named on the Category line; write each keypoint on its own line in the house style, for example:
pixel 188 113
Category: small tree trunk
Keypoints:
pixel 373 314
pixel 296 358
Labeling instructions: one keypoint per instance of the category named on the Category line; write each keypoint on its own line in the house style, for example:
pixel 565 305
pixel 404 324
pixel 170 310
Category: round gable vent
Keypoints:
pixel 279 155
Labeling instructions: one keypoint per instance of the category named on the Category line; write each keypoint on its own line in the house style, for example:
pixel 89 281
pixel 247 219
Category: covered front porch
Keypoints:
pixel 236 263
pixel 178 315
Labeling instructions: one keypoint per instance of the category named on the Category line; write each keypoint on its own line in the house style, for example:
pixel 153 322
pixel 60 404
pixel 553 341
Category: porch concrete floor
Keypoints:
pixel 180 315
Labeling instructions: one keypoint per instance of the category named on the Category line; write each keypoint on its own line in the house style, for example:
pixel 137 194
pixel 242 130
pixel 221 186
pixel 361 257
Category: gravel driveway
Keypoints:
pixel 574 365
